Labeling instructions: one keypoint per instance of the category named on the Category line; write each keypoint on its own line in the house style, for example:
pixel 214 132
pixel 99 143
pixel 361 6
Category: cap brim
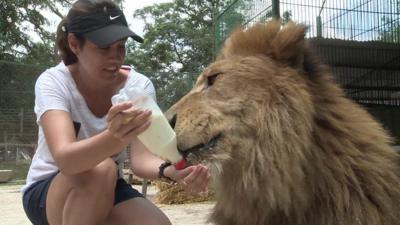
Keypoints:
pixel 105 36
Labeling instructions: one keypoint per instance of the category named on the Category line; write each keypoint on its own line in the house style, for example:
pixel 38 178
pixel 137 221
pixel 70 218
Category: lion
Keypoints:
pixel 284 144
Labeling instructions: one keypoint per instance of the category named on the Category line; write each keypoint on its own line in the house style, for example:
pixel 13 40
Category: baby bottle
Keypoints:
pixel 159 138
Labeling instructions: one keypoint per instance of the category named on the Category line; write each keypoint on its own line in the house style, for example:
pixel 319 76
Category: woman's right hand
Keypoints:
pixel 125 121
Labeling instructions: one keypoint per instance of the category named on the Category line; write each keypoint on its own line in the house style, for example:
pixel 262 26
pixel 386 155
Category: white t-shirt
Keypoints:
pixel 56 89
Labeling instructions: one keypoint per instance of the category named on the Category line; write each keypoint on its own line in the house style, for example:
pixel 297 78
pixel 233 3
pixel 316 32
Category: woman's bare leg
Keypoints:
pixel 82 199
pixel 136 211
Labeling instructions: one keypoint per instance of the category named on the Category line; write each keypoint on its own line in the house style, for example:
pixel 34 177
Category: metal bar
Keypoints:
pixel 252 18
pixel 227 8
pixel 275 9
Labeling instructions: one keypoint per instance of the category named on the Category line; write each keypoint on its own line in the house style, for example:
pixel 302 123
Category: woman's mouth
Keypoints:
pixel 112 69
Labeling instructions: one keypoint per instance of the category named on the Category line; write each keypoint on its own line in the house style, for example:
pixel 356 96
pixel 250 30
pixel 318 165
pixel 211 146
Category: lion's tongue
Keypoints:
pixel 181 164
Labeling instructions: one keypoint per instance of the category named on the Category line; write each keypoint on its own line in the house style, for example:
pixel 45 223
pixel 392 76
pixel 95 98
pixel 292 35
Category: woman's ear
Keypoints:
pixel 73 43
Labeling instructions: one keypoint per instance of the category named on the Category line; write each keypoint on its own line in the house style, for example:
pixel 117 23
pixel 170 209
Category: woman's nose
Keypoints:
pixel 116 52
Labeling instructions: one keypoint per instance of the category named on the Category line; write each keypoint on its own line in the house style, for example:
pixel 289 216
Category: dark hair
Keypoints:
pixel 79 8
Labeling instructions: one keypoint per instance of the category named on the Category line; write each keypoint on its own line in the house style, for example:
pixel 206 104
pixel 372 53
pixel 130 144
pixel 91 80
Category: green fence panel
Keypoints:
pixel 17 119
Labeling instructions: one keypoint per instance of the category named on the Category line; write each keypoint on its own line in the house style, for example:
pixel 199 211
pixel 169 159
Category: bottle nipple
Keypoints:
pixel 181 164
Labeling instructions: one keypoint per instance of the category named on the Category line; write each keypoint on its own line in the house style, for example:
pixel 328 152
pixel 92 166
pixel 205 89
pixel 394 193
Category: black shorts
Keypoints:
pixel 34 198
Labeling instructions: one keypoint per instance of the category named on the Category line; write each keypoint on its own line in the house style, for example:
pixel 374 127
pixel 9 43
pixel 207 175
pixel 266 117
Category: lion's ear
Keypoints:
pixel 288 44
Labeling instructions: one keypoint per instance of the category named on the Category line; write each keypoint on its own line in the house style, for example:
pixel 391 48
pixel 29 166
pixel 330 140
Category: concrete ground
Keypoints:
pixel 12 213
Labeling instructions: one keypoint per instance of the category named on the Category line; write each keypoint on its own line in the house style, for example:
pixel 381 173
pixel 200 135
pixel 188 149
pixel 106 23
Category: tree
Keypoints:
pixel 24 21
pixel 178 45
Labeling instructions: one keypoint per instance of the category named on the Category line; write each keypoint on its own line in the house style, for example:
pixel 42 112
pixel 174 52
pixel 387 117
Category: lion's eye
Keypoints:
pixel 211 79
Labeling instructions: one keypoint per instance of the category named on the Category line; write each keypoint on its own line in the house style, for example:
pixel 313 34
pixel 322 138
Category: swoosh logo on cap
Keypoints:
pixel 114 17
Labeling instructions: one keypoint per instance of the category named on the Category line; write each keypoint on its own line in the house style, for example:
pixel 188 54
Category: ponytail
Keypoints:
pixel 62 45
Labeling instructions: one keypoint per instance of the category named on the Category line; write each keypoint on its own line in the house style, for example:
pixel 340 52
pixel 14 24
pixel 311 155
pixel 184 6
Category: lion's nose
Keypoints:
pixel 172 121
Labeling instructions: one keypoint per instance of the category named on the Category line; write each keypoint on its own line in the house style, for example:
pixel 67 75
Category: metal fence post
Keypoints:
pixel 319 21
pixel 275 9
pixel 21 123
pixel 319 27
pixel 5 145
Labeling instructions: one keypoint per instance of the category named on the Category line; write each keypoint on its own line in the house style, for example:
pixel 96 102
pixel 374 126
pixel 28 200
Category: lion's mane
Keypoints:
pixel 304 153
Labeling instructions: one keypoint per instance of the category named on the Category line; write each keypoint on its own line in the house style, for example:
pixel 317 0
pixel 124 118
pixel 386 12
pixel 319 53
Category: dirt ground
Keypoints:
pixel 12 213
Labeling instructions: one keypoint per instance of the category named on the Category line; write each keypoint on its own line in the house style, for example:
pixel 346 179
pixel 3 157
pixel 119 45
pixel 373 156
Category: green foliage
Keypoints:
pixel 178 45
pixel 23 26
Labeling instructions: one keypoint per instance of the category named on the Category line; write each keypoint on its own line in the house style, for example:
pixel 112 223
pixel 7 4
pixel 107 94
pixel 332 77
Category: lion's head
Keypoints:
pixel 283 143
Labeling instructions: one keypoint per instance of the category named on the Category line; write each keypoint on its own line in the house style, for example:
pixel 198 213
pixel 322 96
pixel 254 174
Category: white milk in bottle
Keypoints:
pixel 159 138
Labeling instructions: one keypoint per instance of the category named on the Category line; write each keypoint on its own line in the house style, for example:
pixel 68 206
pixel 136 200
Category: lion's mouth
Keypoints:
pixel 200 148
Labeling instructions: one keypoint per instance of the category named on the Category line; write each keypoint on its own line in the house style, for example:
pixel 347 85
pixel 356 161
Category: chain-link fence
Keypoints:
pixel 360 40
pixel 18 129
pixel 360 20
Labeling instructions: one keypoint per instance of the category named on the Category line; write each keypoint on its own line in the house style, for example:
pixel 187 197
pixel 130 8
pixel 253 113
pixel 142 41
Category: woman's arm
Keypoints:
pixel 74 156
pixel 146 165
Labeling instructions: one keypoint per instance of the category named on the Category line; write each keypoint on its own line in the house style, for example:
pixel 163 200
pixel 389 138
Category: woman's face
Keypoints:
pixel 101 63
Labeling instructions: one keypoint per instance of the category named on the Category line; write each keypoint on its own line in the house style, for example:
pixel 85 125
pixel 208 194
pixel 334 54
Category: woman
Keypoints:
pixel 74 177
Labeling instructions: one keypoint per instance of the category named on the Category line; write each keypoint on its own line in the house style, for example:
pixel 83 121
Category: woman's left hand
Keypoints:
pixel 193 179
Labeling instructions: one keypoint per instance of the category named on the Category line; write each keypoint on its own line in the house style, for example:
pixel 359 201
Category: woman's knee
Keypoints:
pixel 102 177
